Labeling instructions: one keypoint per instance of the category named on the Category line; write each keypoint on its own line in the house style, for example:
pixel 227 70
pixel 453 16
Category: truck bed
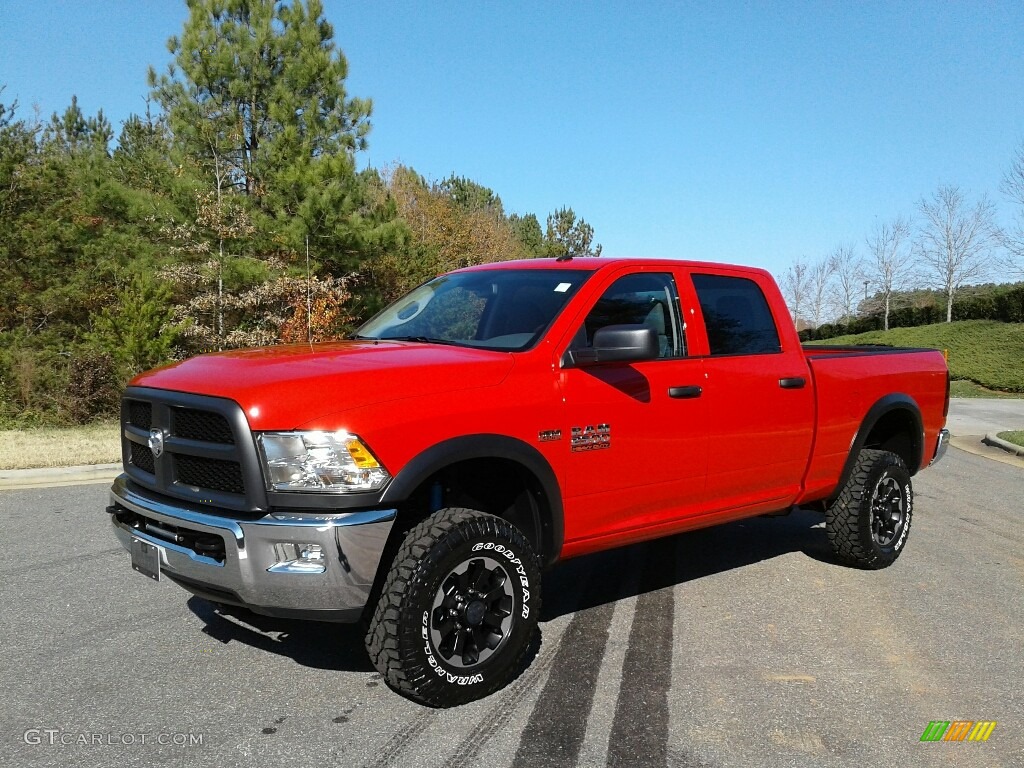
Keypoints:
pixel 849 382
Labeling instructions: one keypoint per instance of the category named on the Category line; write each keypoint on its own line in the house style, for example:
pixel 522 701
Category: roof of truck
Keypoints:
pixel 592 264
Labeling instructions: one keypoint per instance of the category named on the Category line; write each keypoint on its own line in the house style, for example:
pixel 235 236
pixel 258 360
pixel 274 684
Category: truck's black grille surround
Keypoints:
pixel 192 447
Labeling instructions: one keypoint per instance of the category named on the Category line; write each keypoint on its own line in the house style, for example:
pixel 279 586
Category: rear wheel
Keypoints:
pixel 458 609
pixel 868 524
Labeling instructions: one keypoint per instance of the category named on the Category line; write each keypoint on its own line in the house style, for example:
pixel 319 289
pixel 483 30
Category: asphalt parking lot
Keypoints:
pixel 739 645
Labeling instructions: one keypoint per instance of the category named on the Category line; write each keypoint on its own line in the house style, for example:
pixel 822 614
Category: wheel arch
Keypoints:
pixel 503 473
pixel 892 424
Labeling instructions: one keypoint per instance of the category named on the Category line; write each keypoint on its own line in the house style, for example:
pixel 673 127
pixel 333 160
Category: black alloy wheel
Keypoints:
pixel 472 612
pixel 888 511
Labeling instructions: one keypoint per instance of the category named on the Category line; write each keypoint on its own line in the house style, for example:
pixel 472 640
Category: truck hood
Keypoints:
pixel 286 387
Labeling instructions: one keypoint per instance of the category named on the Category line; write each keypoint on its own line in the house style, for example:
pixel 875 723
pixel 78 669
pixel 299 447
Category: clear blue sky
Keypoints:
pixel 747 132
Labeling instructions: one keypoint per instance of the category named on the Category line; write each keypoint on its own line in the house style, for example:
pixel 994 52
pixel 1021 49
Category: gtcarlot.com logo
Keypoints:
pixel 958 730
pixel 56 736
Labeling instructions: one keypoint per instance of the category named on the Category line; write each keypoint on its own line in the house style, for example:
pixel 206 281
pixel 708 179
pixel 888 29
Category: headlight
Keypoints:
pixel 319 462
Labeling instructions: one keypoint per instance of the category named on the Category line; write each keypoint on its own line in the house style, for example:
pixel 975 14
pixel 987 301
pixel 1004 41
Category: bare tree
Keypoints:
pixel 1013 238
pixel 889 259
pixel 819 282
pixel 848 281
pixel 956 241
pixel 795 287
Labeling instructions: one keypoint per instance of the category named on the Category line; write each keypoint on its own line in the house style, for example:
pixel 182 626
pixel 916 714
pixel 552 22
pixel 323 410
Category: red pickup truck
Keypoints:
pixel 497 420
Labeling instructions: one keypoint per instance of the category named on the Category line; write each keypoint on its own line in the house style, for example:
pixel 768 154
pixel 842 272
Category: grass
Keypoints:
pixel 1015 437
pixel 985 352
pixel 58 447
pixel 964 388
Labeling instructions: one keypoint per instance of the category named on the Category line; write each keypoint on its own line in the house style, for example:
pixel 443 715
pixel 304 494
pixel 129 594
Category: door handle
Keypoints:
pixel 794 382
pixel 684 393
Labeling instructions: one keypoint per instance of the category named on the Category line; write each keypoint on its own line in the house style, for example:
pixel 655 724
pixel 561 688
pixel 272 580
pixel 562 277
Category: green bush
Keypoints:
pixel 33 383
pixel 1002 303
pixel 94 387
pixel 50 386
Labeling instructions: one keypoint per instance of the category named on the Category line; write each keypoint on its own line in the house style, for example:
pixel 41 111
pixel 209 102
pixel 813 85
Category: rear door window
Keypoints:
pixel 736 316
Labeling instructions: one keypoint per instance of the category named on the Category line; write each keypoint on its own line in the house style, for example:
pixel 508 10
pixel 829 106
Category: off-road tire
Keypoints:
pixel 458 610
pixel 869 522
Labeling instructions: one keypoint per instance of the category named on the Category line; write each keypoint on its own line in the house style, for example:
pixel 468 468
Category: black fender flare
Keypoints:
pixel 897 401
pixel 550 528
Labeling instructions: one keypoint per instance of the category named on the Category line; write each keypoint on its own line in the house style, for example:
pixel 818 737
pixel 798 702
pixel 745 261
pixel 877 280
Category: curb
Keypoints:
pixel 976 445
pixel 47 477
pixel 1009 447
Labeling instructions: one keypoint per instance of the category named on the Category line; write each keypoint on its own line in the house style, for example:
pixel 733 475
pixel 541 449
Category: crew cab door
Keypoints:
pixel 758 393
pixel 636 453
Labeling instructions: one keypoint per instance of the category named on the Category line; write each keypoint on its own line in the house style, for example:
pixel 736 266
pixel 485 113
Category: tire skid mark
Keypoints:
pixel 501 713
pixel 406 735
pixel 556 728
pixel 85 557
pixel 641 727
pixel 490 724
pixel 609 678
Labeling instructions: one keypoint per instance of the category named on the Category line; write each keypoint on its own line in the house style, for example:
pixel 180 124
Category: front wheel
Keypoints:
pixel 458 610
pixel 869 522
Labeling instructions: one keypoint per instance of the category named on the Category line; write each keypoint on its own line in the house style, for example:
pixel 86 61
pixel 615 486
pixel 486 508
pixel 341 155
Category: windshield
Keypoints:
pixel 507 309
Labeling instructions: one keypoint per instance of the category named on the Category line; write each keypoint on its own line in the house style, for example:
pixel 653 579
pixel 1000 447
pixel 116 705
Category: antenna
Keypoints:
pixel 309 301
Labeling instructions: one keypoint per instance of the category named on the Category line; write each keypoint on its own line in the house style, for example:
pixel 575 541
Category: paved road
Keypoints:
pixel 980 416
pixel 735 646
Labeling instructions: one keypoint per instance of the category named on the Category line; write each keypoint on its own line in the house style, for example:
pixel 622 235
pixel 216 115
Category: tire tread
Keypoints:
pixel 432 540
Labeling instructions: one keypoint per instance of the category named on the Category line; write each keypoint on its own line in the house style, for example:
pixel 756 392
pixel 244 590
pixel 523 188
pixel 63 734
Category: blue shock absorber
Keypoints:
pixel 436 498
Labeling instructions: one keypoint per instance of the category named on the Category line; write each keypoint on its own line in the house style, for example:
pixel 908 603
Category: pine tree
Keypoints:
pixel 568 236
pixel 258 88
pixel 527 230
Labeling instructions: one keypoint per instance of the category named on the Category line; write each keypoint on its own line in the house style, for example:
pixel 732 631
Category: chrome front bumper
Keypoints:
pixel 940 447
pixel 250 570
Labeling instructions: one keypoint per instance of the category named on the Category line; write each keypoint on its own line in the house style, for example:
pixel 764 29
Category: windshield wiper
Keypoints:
pixel 419 339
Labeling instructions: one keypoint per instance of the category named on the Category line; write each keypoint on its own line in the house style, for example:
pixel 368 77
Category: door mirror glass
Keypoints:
pixel 617 344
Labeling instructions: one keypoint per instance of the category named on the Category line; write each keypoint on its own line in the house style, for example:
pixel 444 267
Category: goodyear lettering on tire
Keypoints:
pixel 508 554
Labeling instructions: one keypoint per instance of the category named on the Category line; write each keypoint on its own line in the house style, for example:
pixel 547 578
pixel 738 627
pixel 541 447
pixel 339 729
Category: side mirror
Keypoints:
pixel 617 344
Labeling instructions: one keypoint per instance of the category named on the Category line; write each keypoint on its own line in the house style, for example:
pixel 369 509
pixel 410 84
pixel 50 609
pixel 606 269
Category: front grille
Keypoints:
pixel 209 473
pixel 202 425
pixel 140 414
pixel 207 456
pixel 142 458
